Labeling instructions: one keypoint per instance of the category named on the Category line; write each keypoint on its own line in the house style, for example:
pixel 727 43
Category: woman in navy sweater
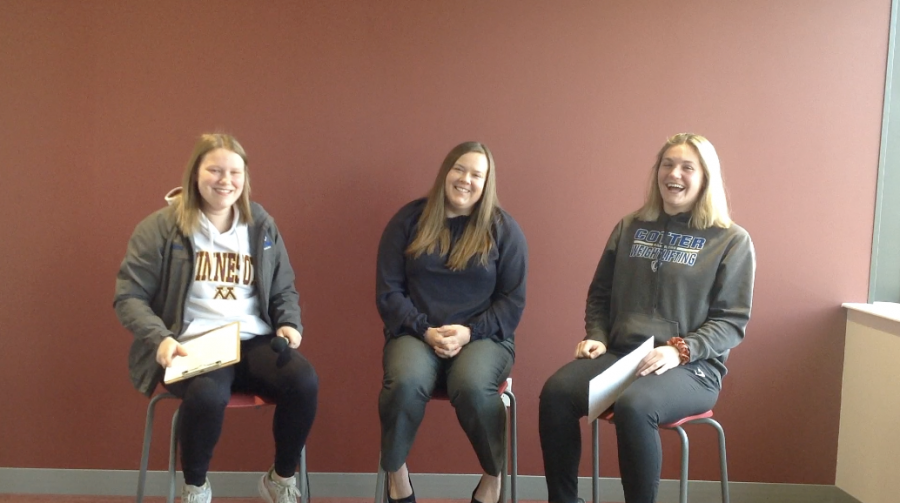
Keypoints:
pixel 450 289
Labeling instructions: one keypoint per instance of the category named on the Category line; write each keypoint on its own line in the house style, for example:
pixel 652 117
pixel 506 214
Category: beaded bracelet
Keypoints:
pixel 684 352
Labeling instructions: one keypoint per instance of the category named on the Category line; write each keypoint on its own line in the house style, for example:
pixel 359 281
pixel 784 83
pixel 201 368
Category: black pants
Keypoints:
pixel 412 372
pixel 287 378
pixel 648 402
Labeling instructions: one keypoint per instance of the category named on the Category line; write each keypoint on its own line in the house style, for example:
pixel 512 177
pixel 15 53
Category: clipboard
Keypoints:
pixel 210 350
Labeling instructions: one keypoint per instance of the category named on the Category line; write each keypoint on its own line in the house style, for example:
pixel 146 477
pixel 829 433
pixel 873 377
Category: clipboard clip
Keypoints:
pixel 204 367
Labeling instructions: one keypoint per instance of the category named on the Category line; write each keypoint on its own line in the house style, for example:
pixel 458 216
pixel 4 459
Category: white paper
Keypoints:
pixel 217 348
pixel 605 389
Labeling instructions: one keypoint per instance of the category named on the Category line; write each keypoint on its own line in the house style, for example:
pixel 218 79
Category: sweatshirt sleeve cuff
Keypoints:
pixel 693 348
pixel 476 332
pixel 157 338
pixel 597 336
pixel 420 329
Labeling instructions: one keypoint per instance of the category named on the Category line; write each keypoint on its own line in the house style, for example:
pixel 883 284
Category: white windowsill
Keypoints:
pixel 886 310
pixel 883 316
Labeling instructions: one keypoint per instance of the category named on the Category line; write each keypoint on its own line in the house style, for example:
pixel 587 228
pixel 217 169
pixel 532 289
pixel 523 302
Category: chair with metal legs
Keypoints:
pixel 237 401
pixel 510 444
pixel 704 418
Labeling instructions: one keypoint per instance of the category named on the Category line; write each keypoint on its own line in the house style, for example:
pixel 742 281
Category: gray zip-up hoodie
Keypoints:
pixel 665 279
pixel 156 274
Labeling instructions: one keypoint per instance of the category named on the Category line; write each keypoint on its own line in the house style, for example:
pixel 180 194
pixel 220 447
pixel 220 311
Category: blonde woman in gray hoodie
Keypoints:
pixel 679 271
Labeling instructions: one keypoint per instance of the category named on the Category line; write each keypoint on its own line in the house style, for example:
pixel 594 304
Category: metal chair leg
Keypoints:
pixel 504 470
pixel 514 442
pixel 723 460
pixel 381 483
pixel 595 474
pixel 173 454
pixel 145 450
pixel 302 483
pixel 685 457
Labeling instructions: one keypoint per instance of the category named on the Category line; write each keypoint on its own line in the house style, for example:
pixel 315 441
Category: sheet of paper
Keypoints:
pixel 606 387
pixel 216 348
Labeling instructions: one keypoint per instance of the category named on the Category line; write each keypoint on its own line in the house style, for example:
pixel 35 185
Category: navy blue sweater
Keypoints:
pixel 413 295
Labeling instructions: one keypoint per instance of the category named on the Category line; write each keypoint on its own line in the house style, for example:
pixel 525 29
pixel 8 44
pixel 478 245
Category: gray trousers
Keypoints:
pixel 412 372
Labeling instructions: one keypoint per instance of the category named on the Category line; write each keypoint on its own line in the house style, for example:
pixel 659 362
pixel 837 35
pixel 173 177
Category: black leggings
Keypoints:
pixel 287 378
pixel 648 402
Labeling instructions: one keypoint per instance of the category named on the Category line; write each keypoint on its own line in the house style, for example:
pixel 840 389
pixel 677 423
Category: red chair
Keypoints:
pixel 237 401
pixel 705 417
pixel 509 400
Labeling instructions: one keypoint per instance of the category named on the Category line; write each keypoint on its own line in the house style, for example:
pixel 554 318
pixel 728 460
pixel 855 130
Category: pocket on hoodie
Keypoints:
pixel 632 329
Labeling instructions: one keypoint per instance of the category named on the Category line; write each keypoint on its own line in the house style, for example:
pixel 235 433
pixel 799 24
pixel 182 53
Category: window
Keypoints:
pixel 884 275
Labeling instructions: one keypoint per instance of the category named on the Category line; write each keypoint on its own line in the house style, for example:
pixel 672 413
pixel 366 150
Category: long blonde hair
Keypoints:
pixel 434 235
pixel 187 207
pixel 711 207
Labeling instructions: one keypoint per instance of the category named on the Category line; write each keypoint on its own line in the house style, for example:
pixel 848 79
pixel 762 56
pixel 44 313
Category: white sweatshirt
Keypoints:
pixel 224 289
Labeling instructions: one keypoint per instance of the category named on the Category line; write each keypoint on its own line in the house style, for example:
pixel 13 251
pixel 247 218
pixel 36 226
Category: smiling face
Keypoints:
pixel 464 184
pixel 220 180
pixel 680 178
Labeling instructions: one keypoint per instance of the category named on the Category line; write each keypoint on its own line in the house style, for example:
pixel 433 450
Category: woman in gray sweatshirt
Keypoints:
pixel 677 270
pixel 211 258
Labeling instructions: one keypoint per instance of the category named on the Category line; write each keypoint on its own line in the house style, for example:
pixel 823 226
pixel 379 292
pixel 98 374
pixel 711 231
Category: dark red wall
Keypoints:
pixel 346 110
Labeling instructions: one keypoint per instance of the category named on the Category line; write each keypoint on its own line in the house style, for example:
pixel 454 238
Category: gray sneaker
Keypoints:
pixel 194 494
pixel 273 491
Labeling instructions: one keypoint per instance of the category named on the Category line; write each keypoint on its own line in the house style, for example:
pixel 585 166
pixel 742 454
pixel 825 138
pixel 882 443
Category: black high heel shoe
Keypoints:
pixel 409 499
